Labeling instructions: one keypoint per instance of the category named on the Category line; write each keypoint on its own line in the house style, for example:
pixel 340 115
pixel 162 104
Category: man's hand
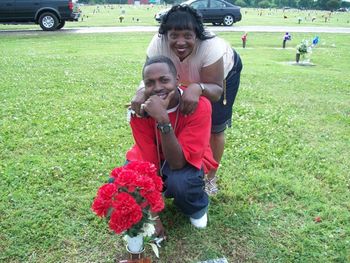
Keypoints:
pixel 137 101
pixel 157 107
pixel 190 98
pixel 160 230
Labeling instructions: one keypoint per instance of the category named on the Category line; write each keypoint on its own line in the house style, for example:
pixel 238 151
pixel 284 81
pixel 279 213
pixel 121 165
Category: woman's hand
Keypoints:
pixel 190 98
pixel 137 101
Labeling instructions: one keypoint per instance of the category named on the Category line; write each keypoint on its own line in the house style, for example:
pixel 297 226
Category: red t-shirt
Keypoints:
pixel 192 132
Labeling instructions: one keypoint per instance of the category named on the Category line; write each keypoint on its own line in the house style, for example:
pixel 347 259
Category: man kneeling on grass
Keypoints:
pixel 177 144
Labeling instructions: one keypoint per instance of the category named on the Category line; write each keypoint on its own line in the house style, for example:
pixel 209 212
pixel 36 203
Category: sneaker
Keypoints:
pixel 211 188
pixel 200 222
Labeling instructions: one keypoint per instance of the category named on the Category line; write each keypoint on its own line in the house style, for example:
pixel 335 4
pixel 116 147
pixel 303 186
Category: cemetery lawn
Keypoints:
pixel 143 15
pixel 284 178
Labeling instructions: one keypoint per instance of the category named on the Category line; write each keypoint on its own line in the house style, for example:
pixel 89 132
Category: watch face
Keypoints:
pixel 164 128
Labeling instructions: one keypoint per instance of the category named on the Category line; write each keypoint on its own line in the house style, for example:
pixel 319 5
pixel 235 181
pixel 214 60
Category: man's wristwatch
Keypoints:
pixel 164 127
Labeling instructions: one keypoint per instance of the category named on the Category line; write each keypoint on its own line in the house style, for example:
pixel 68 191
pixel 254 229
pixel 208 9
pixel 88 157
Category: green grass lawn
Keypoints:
pixel 63 128
pixel 144 15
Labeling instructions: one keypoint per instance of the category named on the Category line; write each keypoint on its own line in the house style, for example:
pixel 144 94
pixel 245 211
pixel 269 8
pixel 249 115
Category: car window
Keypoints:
pixel 200 4
pixel 217 4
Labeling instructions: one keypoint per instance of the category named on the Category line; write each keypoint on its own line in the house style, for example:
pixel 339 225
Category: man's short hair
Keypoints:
pixel 160 59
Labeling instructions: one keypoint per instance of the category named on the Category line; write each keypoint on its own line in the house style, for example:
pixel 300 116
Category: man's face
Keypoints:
pixel 158 80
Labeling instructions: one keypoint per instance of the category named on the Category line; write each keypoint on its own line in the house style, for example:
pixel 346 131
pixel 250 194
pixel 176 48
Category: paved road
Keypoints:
pixel 87 30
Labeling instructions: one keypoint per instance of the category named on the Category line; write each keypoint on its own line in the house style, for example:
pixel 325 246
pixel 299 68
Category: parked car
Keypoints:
pixel 342 9
pixel 49 14
pixel 216 12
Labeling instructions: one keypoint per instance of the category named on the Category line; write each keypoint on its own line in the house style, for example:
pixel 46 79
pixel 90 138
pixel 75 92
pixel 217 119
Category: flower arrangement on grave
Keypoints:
pixel 302 49
pixel 128 200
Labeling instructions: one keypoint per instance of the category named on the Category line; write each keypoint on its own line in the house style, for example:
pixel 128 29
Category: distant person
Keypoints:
pixel 244 39
pixel 286 37
pixel 207 66
pixel 177 144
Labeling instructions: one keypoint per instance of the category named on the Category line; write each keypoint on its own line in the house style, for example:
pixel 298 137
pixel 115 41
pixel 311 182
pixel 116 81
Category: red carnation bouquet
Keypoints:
pixel 133 192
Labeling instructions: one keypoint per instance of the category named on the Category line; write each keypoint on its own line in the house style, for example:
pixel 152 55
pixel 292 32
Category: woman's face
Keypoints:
pixel 181 42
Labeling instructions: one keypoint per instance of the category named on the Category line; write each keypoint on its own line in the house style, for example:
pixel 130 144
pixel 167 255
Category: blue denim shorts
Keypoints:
pixel 222 113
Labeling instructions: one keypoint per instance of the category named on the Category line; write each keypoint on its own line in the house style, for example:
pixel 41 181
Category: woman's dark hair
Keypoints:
pixel 160 59
pixel 184 17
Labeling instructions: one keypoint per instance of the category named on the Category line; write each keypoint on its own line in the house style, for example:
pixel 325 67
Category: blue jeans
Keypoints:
pixel 186 186
pixel 222 114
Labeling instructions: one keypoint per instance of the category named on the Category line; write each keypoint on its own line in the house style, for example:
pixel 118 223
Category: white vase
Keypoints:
pixel 135 244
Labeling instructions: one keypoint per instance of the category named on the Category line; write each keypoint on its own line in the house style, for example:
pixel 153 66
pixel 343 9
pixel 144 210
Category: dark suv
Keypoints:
pixel 49 14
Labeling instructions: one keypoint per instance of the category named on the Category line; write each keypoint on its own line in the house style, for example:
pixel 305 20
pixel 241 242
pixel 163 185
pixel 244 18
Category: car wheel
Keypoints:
pixel 216 24
pixel 228 20
pixel 48 21
pixel 61 24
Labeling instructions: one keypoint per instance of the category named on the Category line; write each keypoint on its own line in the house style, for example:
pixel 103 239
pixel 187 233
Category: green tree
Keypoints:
pixel 333 4
pixel 264 4
pixel 305 4
pixel 322 4
pixel 345 4
pixel 277 3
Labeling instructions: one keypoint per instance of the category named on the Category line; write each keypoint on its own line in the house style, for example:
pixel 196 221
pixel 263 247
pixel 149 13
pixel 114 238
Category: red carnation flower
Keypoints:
pixel 115 172
pixel 100 207
pixel 147 169
pixel 145 184
pixel 142 167
pixel 127 178
pixel 126 213
pixel 155 200
pixel 158 182
pixel 103 200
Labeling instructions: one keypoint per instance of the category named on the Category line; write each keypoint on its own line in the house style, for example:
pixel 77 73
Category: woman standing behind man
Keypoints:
pixel 206 65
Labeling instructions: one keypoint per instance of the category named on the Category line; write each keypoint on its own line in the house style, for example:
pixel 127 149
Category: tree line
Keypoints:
pixel 300 4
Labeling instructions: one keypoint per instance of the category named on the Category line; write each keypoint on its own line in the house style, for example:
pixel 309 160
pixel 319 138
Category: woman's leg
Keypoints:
pixel 221 119
pixel 217 144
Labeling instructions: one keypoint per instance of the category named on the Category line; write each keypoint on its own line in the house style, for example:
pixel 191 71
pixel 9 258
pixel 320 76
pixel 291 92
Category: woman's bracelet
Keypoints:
pixel 202 86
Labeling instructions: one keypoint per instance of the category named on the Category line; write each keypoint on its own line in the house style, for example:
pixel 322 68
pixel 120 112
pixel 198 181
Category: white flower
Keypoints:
pixel 148 230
